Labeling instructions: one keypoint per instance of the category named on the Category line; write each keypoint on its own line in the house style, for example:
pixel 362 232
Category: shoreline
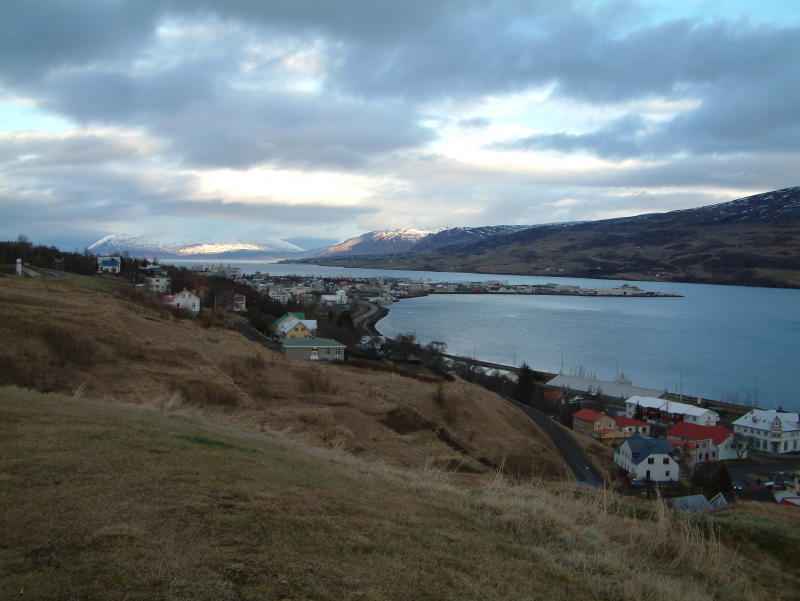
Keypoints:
pixel 369 328
pixel 582 276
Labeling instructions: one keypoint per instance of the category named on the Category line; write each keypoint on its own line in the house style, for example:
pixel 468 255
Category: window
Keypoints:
pixel 650 460
pixel 665 461
pixel 666 473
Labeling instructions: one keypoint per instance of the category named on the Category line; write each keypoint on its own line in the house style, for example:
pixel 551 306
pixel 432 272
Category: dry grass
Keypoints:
pixel 104 501
pixel 143 356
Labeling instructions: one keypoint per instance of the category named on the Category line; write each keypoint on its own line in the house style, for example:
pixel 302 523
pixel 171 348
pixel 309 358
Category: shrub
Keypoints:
pixel 198 392
pixel 314 380
pixel 68 346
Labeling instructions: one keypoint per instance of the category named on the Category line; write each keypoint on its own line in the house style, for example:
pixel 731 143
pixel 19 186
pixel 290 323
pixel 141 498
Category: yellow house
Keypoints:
pixel 297 328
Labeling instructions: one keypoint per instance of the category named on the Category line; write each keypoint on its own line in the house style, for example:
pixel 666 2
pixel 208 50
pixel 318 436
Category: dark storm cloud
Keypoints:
pixel 385 57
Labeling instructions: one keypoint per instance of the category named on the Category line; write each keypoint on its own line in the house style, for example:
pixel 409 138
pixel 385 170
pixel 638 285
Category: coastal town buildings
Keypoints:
pixel 619 388
pixel 314 349
pixel 770 431
pixel 669 412
pixel 647 459
pixel 714 443
pixel 157 283
pixel 184 300
pixel 109 264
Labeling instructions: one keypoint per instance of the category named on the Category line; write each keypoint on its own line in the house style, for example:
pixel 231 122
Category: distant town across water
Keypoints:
pixel 730 343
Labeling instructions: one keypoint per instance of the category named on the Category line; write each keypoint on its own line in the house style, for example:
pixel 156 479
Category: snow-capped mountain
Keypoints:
pixel 390 242
pixel 152 246
pixel 377 243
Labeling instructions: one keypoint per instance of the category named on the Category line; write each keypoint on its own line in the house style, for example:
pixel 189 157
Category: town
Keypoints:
pixel 659 443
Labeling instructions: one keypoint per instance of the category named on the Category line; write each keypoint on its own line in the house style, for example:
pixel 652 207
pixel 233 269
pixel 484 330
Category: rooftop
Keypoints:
pixel 312 342
pixel 718 434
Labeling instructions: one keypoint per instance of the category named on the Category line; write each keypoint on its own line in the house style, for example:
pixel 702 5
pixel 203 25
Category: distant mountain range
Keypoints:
pixel 749 241
pixel 150 246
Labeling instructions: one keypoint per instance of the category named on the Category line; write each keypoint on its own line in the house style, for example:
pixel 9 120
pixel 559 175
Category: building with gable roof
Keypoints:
pixel 770 431
pixel 314 349
pixel 593 423
pixel 109 264
pixel 714 443
pixel 293 327
pixel 647 459
pixel 184 300
pixel 669 412
pixel 630 426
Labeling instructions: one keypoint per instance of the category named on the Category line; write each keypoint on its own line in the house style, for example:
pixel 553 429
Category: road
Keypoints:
pixel 366 323
pixel 566 445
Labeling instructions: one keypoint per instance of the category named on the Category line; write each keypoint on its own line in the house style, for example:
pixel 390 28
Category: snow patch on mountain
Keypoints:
pixel 152 245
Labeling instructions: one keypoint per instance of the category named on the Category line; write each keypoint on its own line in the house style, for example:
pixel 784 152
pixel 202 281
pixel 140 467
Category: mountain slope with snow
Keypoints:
pixel 152 246
pixel 748 241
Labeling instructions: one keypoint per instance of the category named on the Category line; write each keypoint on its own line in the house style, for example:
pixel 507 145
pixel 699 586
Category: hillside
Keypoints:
pixel 109 501
pixel 75 335
pixel 749 241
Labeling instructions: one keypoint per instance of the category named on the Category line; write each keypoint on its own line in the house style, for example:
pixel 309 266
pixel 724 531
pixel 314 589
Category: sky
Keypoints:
pixel 312 121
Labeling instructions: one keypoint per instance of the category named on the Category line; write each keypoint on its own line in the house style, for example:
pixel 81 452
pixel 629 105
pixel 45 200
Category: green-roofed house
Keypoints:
pixel 314 349
pixel 299 316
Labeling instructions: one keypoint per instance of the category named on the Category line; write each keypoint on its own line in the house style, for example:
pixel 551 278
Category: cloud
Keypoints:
pixel 163 93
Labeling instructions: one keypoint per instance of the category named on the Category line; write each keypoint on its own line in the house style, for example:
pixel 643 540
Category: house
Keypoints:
pixel 647 459
pixel 714 443
pixel 230 301
pixel 630 426
pixel 670 412
pixel 340 298
pixel 184 300
pixel 313 349
pixel 296 328
pixel 769 431
pixel 593 423
pixel 282 295
pixel 109 264
pixel 155 283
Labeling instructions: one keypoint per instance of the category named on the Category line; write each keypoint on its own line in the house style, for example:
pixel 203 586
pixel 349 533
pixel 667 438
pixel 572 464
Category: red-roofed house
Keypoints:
pixel 591 423
pixel 714 443
pixel 631 426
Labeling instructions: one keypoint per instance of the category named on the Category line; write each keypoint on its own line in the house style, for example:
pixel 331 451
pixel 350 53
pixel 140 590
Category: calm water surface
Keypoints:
pixel 724 342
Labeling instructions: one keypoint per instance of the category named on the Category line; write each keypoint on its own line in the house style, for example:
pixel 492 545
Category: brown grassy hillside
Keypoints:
pixel 74 335
pixel 104 501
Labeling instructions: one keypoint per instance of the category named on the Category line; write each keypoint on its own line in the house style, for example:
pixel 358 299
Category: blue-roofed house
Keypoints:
pixel 109 264
pixel 647 459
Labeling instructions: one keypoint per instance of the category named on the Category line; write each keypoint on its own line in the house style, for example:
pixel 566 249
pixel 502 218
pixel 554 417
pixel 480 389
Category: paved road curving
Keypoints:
pixel 569 449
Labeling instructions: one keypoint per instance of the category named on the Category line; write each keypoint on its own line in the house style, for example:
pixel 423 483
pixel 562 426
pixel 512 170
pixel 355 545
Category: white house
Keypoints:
pixel 659 410
pixel 770 431
pixel 647 459
pixel 184 300
pixel 340 298
pixel 280 294
pixel 109 264
pixel 157 283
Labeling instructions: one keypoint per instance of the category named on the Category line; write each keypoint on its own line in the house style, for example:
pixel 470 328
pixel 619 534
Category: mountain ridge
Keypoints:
pixel 754 240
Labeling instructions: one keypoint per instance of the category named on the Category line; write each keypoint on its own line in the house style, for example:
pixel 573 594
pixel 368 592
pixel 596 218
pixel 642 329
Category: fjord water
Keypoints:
pixel 730 343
